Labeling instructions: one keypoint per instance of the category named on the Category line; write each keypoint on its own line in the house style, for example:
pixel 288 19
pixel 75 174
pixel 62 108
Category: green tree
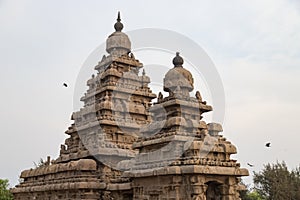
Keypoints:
pixel 276 182
pixel 249 194
pixel 4 191
pixel 254 195
pixel 296 182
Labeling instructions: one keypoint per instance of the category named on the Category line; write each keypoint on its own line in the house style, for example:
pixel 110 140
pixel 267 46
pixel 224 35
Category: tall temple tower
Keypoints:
pixel 121 146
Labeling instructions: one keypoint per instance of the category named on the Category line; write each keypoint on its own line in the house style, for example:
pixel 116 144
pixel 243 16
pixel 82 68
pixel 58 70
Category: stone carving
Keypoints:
pixel 121 146
pixel 199 197
pixel 106 196
pixel 160 97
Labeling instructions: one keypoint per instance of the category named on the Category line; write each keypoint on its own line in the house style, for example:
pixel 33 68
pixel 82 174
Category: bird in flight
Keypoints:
pixel 250 165
pixel 268 144
pixel 65 85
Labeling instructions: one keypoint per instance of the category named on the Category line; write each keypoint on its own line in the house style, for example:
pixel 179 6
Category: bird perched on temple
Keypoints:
pixel 250 165
pixel 268 144
pixel 65 85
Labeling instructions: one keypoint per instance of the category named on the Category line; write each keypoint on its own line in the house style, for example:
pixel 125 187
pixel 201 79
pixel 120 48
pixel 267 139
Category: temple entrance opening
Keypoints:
pixel 213 191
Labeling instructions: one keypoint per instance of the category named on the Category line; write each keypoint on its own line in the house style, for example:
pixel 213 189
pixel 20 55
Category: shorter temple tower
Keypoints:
pixel 181 156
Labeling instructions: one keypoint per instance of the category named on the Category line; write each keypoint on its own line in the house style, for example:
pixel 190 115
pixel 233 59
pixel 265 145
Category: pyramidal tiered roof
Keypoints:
pixel 118 149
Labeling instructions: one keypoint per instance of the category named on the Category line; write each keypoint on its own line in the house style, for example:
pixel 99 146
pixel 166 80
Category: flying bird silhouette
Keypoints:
pixel 250 165
pixel 268 144
pixel 64 84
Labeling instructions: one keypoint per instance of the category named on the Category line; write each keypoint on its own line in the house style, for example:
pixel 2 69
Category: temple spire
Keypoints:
pixel 119 18
pixel 118 25
pixel 178 60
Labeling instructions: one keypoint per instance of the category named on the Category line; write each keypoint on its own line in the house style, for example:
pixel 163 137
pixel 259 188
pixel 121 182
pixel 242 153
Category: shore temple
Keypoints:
pixel 128 143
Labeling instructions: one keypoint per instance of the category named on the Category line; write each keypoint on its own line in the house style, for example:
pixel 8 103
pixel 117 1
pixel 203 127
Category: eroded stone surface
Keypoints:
pixel 121 146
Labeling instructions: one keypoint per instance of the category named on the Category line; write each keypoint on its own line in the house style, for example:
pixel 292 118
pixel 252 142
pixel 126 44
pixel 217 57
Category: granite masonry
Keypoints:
pixel 123 146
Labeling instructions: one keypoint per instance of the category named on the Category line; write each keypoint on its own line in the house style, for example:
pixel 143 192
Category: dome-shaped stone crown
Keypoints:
pixel 178 77
pixel 118 42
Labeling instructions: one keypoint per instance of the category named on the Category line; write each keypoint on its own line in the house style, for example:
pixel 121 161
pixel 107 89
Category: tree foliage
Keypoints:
pixel 276 182
pixel 254 195
pixel 249 194
pixel 4 191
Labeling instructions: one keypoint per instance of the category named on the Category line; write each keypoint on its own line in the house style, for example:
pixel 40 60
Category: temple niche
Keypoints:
pixel 122 146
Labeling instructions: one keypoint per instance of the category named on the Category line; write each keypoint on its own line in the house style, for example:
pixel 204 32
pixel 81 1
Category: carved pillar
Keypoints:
pixel 177 191
pixel 229 192
pixel 106 195
pixel 198 188
pixel 199 192
pixel 177 180
pixel 138 192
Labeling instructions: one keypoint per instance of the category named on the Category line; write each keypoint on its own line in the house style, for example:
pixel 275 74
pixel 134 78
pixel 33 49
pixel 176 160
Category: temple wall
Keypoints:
pixel 186 187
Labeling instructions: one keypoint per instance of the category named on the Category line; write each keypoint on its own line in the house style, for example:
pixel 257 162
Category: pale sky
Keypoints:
pixel 255 46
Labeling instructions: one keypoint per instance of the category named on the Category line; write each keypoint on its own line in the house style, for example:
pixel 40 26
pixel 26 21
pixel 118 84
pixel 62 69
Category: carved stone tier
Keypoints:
pixel 121 146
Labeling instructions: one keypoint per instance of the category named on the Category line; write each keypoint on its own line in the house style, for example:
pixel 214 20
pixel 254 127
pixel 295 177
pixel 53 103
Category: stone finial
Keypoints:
pixel 48 160
pixel 160 97
pixel 103 58
pixel 198 96
pixel 132 55
pixel 178 60
pixel 118 25
pixel 118 43
pixel 178 76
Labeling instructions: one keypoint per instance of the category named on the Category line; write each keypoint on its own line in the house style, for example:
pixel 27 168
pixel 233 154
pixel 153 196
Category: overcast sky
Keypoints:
pixel 255 46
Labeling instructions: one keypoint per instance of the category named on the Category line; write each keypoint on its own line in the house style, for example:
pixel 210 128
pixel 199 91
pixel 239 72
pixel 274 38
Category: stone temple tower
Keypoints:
pixel 122 146
pixel 181 156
